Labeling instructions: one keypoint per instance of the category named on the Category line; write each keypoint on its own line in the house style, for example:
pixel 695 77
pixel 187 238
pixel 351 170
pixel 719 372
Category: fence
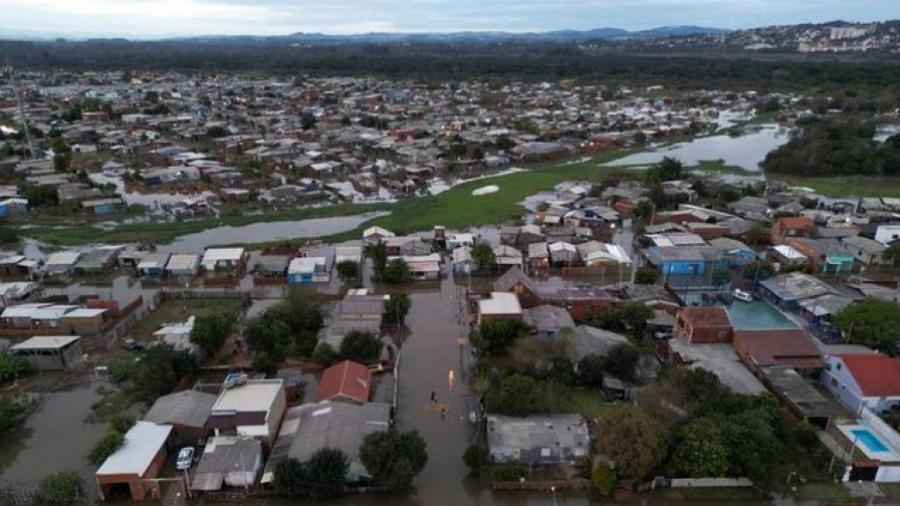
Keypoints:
pixel 542 485
pixel 711 482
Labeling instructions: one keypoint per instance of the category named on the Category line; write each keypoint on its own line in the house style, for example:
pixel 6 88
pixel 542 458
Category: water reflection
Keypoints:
pixel 268 232
pixel 746 151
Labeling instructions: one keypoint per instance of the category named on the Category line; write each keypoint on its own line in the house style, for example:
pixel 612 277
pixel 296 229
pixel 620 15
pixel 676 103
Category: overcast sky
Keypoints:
pixel 160 18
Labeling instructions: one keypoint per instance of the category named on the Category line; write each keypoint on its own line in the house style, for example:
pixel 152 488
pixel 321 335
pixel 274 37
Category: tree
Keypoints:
pixel 397 271
pixel 630 318
pixel 483 255
pixel 324 354
pixel 495 337
pixel 327 470
pixel 753 446
pixel 621 361
pixel 8 236
pixel 476 457
pixel 634 440
pixel 214 132
pixel 268 335
pixel 307 121
pixel 12 367
pixel 108 444
pixel 871 322
pixel 520 395
pixel 60 489
pixel 348 270
pixel 158 372
pixel 646 276
pixel 721 277
pixel 393 457
pixel 12 414
pixel 700 451
pixel 758 270
pixel 758 235
pixel 362 347
pixel 292 478
pixel 378 253
pixel 396 309
pixel 892 254
pixel 210 331
pixel 590 369
pixel 62 156
pixel 604 479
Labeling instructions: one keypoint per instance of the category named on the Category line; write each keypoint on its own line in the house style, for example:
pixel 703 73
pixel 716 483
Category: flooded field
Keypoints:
pixel 745 151
pixel 58 438
pixel 268 232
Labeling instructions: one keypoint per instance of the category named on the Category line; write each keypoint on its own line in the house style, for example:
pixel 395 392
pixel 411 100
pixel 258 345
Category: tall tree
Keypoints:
pixel 394 458
pixel 327 472
pixel 634 440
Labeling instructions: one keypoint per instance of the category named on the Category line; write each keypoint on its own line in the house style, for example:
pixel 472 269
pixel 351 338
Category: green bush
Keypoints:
pixel 509 471
pixel 604 479
pixel 476 457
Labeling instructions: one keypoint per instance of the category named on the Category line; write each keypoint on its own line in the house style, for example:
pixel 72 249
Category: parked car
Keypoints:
pixel 185 458
pixel 132 345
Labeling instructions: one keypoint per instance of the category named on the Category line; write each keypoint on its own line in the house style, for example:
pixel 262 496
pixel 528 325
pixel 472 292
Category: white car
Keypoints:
pixel 742 295
pixel 185 458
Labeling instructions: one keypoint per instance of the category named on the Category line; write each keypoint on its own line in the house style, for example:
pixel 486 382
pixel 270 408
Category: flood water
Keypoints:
pixel 746 151
pixel 59 440
pixel 268 232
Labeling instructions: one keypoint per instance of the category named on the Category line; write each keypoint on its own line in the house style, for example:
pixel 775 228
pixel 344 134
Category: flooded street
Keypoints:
pixel 746 151
pixel 267 232
pixel 59 440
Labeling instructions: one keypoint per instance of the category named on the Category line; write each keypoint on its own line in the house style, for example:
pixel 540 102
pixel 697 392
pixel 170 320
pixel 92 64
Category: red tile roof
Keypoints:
pixel 347 380
pixel 700 317
pixel 796 222
pixel 876 375
pixel 779 347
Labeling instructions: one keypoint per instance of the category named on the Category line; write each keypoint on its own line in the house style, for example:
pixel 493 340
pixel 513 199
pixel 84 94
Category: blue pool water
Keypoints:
pixel 869 440
pixel 757 315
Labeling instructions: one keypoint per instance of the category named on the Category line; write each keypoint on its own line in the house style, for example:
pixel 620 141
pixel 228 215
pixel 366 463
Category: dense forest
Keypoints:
pixel 442 62
pixel 835 147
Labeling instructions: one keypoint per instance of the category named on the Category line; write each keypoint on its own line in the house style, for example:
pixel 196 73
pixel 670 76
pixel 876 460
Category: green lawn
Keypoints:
pixel 844 186
pixel 178 310
pixel 719 495
pixel 590 403
pixel 455 208
pixel 831 492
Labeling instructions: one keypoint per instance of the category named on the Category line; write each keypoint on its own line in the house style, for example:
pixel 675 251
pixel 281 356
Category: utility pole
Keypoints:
pixel 22 118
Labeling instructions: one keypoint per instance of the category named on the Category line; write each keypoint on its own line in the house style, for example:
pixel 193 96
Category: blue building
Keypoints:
pixel 686 260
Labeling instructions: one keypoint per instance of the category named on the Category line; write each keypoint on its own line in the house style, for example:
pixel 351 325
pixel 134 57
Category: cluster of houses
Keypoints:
pixel 181 146
pixel 245 428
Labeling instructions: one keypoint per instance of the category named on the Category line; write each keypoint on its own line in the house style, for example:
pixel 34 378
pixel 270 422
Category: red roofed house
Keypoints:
pixel 345 381
pixel 778 348
pixel 703 325
pixel 860 379
pixel 793 226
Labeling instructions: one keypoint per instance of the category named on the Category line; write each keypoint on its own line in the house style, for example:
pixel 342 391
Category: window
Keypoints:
pixel 833 382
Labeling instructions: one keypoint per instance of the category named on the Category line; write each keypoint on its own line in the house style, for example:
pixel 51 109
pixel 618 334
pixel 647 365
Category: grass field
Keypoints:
pixel 455 208
pixel 844 186
pixel 589 403
pixel 179 310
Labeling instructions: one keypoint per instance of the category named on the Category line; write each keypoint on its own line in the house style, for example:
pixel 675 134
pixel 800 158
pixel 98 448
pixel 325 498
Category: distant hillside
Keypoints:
pixel 463 37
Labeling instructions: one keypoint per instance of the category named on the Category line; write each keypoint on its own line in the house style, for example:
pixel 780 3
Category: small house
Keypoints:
pixel 345 381
pixel 703 325
pixel 182 265
pixel 538 439
pixel 132 467
pixel 50 353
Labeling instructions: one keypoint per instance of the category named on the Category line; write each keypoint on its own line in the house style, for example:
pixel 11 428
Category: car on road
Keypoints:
pixel 185 458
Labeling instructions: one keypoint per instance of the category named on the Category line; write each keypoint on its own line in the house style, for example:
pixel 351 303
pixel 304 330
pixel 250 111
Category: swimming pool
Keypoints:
pixel 867 439
pixel 758 315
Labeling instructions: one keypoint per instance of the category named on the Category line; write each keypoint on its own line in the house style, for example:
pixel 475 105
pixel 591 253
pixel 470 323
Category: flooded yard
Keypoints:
pixel 58 438
pixel 746 151
pixel 268 232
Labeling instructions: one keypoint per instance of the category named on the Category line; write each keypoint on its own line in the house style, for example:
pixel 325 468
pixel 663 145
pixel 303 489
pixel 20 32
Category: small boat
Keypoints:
pixel 742 295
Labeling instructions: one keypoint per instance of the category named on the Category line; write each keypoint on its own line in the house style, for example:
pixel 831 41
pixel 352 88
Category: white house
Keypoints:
pixel 886 234
pixel 861 379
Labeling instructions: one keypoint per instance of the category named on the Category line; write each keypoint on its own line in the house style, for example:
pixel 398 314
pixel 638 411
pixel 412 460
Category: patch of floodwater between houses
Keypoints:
pixel 746 151
pixel 58 438
pixel 269 231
